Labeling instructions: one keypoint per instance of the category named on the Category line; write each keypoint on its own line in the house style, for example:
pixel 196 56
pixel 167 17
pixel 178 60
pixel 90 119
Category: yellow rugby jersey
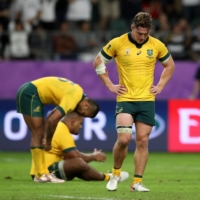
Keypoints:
pixel 59 91
pixel 135 64
pixel 62 142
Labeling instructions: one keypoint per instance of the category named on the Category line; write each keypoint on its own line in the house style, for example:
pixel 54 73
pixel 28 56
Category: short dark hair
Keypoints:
pixel 94 108
pixel 143 19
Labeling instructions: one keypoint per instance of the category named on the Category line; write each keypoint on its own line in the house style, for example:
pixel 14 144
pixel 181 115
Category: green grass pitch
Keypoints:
pixel 168 176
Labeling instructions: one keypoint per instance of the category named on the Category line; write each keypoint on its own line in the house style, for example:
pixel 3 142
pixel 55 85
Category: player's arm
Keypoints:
pixel 99 65
pixel 97 155
pixel 50 126
pixel 167 73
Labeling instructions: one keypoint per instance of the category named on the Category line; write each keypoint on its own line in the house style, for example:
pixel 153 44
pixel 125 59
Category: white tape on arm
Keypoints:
pixel 101 69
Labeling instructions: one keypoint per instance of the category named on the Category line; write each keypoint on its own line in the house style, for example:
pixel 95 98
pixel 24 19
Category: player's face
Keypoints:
pixel 140 34
pixel 83 110
pixel 77 125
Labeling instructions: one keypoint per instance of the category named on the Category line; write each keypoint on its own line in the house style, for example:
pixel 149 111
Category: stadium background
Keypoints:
pixel 177 117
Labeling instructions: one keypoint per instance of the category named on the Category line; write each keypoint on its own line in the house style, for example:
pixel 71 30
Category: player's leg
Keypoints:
pixel 77 167
pixel 124 123
pixel 36 126
pixel 144 122
pixel 29 104
pixel 141 154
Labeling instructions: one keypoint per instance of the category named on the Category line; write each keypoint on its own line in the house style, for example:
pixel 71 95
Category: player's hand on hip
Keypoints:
pixel 155 90
pixel 118 89
pixel 99 155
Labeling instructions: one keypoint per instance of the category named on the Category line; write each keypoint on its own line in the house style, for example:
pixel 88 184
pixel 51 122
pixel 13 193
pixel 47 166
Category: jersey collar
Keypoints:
pixel 134 42
pixel 83 96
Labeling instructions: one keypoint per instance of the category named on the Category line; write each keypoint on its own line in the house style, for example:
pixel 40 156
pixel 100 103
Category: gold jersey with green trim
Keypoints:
pixel 135 64
pixel 62 142
pixel 59 91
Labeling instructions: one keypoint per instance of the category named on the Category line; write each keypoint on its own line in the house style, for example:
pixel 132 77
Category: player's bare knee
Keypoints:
pixel 124 135
pixel 142 142
pixel 123 141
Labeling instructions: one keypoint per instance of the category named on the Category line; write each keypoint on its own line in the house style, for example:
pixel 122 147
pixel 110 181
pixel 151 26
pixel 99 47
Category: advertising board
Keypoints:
pixel 97 133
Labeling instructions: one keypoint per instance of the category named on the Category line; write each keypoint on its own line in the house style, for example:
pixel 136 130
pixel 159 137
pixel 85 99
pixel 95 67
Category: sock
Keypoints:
pixel 46 171
pixel 32 171
pixel 106 177
pixel 137 179
pixel 37 164
pixel 116 172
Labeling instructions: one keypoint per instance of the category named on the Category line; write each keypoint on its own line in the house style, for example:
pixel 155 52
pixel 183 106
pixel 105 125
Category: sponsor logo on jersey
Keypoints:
pixel 127 52
pixel 139 52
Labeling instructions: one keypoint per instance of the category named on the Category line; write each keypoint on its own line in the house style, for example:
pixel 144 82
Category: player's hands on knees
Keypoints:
pixel 118 89
pixel 99 155
pixel 155 90
pixel 47 146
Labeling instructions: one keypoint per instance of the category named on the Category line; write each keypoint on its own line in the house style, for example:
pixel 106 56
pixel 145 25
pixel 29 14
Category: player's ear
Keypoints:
pixel 132 26
pixel 72 122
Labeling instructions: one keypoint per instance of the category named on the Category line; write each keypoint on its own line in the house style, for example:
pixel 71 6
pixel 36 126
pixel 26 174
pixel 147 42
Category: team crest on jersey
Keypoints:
pixel 127 52
pixel 150 53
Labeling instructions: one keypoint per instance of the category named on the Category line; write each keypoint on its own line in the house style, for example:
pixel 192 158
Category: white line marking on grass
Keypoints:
pixel 73 197
pixel 10 160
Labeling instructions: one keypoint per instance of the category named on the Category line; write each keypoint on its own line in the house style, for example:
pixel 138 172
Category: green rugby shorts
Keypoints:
pixel 143 111
pixel 28 101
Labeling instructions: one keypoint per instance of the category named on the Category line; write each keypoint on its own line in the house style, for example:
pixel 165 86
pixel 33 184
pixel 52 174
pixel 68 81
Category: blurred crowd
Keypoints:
pixel 77 29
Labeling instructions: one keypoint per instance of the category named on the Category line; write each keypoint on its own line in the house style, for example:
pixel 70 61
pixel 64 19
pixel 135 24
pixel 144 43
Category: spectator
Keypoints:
pixel 87 37
pixel 173 11
pixel 154 7
pixel 3 41
pixel 48 14
pixel 61 9
pixel 196 87
pixel 64 45
pixel 28 11
pixel 13 10
pixel 129 8
pixel 163 28
pixel 18 48
pixel 88 46
pixel 191 9
pixel 108 10
pixel 195 45
pixel 4 13
pixel 178 41
pixel 78 10
pixel 40 44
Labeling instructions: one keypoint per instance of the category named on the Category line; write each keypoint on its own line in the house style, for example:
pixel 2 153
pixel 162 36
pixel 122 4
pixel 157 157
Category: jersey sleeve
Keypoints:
pixel 109 50
pixel 163 52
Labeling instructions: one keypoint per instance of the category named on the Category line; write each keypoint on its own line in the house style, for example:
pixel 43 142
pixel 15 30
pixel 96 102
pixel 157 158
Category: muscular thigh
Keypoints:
pixel 28 101
pixel 142 130
pixel 67 169
pixel 124 120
